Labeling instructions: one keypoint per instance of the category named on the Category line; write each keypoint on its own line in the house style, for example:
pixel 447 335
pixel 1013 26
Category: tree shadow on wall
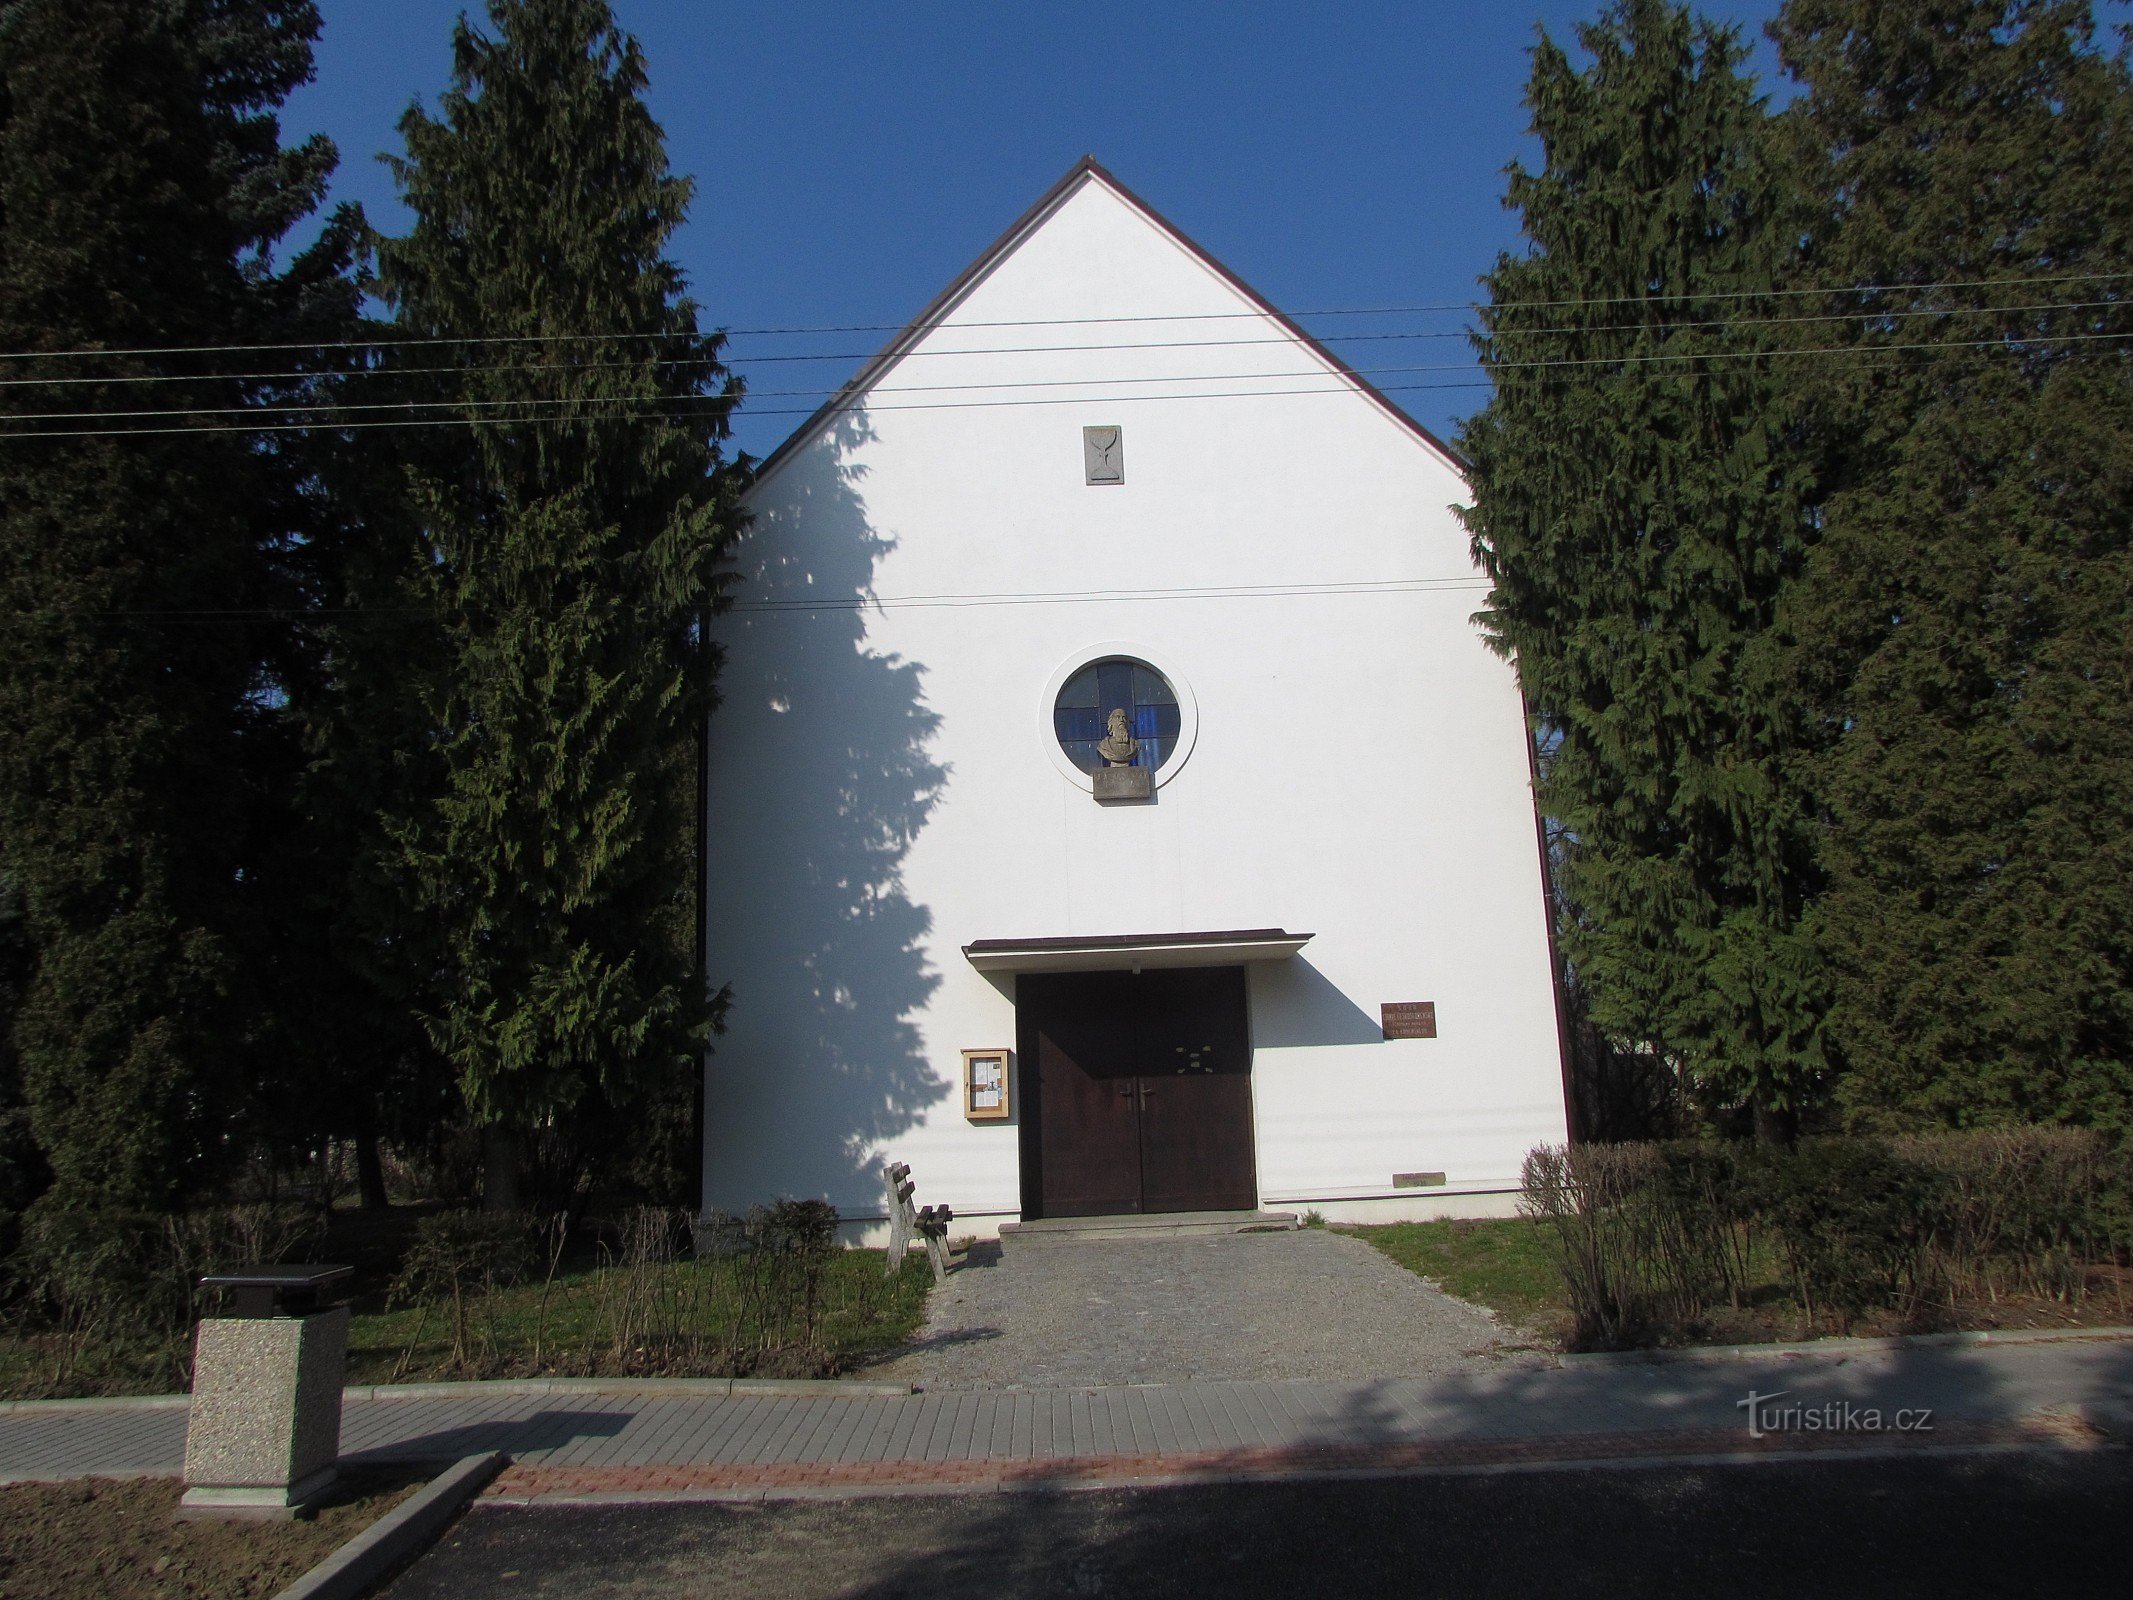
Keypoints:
pixel 821 781
pixel 1293 1003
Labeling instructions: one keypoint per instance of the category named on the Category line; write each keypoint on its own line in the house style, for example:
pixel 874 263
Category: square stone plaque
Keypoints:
pixel 1124 783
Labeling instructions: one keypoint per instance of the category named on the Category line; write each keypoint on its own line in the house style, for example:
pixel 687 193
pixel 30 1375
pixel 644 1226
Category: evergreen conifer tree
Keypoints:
pixel 23 1174
pixel 1966 623
pixel 354 961
pixel 143 190
pixel 575 526
pixel 1639 509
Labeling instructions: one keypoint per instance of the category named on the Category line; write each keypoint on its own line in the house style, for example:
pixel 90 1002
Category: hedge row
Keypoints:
pixel 1652 1239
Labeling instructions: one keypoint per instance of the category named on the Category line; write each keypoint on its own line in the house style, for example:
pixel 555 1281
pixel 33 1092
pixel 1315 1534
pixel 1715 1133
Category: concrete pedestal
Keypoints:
pixel 265 1426
pixel 1123 783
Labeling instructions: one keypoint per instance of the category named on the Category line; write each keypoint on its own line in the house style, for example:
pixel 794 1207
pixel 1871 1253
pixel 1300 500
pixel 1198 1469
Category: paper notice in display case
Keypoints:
pixel 985 1084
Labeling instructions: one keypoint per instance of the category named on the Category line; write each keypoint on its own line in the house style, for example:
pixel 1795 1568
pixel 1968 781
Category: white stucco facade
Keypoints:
pixel 926 565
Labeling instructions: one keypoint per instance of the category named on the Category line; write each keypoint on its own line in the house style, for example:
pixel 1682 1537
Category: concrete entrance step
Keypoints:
pixel 1158 1225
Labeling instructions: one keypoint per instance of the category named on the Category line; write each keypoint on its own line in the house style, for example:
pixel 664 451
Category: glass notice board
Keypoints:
pixel 986 1075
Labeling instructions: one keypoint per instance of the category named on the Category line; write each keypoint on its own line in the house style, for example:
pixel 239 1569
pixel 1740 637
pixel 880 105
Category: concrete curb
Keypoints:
pixel 621 1388
pixel 867 1389
pixel 1840 1347
pixel 635 1388
pixel 123 1402
pixel 400 1533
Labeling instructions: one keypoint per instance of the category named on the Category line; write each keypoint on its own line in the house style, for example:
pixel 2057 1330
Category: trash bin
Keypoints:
pixel 264 1429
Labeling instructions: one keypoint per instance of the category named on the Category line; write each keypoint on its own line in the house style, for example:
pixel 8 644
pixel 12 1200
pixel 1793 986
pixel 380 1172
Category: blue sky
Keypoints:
pixel 851 159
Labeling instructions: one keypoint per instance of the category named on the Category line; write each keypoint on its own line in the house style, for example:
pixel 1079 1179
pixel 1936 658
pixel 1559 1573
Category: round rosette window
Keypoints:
pixel 1117 712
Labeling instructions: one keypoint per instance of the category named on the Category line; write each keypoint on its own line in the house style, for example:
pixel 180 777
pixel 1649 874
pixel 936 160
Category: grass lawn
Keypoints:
pixel 683 1320
pixel 1506 1264
pixel 114 1539
pixel 687 1319
pixel 1498 1262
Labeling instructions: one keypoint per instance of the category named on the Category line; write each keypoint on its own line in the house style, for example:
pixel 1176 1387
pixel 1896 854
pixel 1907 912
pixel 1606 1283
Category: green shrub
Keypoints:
pixel 1589 1197
pixel 799 1229
pixel 461 1258
pixel 1654 1239
pixel 1704 1227
pixel 1647 1235
pixel 123 1285
pixel 93 1269
pixel 778 1284
pixel 750 1301
pixel 2027 1208
pixel 1857 1222
pixel 2111 1211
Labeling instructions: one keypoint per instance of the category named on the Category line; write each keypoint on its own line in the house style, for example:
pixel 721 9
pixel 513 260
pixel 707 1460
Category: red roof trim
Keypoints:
pixel 1087 167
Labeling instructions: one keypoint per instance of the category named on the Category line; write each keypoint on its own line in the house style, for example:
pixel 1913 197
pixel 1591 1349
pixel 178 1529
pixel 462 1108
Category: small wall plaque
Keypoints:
pixel 986 1076
pixel 1103 454
pixel 1418 1180
pixel 1124 783
pixel 1408 1019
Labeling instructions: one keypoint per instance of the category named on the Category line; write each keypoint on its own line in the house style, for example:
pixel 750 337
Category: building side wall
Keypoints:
pixel 883 792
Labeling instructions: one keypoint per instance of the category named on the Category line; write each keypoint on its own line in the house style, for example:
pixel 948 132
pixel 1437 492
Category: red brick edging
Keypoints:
pixel 524 1485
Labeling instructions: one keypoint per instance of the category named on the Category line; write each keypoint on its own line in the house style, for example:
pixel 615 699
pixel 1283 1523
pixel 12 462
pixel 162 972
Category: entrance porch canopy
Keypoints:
pixel 1132 952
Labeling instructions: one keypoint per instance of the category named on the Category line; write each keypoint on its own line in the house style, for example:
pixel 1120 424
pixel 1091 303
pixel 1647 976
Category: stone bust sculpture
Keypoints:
pixel 1120 747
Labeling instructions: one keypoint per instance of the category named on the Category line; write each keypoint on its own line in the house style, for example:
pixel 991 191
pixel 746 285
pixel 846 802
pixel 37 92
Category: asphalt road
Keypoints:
pixel 1990 1524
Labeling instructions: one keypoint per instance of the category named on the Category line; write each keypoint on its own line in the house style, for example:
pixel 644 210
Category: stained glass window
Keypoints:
pixel 1082 713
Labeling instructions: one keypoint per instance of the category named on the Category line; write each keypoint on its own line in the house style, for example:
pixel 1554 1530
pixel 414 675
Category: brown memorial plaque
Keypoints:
pixel 1409 1019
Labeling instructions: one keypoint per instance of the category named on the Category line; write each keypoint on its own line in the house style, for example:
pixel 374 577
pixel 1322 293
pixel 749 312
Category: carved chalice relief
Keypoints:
pixel 1120 747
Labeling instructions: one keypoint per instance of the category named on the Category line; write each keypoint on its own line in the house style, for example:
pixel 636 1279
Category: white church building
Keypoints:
pixel 1114 808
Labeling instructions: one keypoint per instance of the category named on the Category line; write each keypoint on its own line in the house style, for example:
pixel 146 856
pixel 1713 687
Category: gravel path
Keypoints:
pixel 1249 1306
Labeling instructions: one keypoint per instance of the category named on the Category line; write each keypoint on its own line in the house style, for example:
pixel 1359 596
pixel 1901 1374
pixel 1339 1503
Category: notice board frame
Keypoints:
pixel 985 1070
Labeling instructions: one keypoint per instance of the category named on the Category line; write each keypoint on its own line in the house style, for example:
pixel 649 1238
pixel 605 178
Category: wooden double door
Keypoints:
pixel 1136 1092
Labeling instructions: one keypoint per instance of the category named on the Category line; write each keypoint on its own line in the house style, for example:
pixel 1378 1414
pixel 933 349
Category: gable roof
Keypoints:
pixel 1085 170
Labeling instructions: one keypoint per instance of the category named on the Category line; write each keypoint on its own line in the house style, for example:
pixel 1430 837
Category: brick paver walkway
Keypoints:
pixel 1220 1308
pixel 533 1485
pixel 574 1445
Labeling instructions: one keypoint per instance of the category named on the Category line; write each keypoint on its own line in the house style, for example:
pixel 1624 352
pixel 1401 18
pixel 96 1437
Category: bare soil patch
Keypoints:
pixel 116 1539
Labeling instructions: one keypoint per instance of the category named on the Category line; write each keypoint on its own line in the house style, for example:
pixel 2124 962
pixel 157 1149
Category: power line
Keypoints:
pixel 384 372
pixel 654 412
pixel 1164 344
pixel 1471 305
pixel 1049 322
pixel 1098 596
pixel 624 407
pixel 1360 586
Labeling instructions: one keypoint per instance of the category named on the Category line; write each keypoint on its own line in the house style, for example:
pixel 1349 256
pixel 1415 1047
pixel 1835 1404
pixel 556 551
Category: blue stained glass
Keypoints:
pixel 1081 715
pixel 1080 690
